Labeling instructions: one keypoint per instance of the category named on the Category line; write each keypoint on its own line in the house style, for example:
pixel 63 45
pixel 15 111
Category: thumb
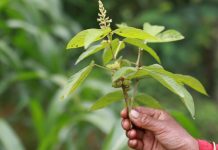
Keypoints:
pixel 144 121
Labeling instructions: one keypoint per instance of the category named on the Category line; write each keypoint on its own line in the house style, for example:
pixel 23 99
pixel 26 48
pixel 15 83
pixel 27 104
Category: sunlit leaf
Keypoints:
pixel 112 50
pixel 8 139
pixel 122 72
pixel 147 100
pixel 192 82
pixel 94 35
pixel 152 29
pixel 141 44
pixel 131 32
pixel 107 100
pixel 168 36
pixel 86 37
pixel 90 51
pixel 75 80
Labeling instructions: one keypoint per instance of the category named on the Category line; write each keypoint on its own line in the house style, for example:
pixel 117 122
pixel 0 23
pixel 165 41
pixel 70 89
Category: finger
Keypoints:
pixel 144 121
pixel 135 134
pixel 148 111
pixel 124 113
pixel 135 144
pixel 126 124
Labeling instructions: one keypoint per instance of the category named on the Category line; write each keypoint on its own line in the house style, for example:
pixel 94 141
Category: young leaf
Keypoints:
pixel 191 82
pixel 131 32
pixel 75 80
pixel 168 36
pixel 112 50
pixel 107 100
pixel 152 29
pixel 147 100
pixel 94 35
pixel 122 72
pixel 92 50
pixel 86 37
pixel 141 44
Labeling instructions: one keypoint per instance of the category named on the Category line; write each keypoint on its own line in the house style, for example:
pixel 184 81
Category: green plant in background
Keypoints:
pixel 126 75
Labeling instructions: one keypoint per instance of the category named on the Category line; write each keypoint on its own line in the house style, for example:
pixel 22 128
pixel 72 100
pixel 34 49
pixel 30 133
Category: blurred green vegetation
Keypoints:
pixel 34 66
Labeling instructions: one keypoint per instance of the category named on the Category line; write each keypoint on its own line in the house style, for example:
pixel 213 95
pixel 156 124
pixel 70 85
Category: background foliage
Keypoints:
pixel 34 66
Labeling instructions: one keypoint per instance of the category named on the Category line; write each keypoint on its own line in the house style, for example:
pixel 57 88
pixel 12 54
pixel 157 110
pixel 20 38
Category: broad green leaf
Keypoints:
pixel 176 87
pixel 167 36
pixel 147 100
pixel 94 35
pixel 112 50
pixel 188 101
pixel 191 82
pixel 188 80
pixel 122 72
pixel 152 29
pixel 8 139
pixel 138 74
pixel 141 44
pixel 92 50
pixel 107 100
pixel 75 80
pixel 166 81
pixel 131 32
pixel 86 37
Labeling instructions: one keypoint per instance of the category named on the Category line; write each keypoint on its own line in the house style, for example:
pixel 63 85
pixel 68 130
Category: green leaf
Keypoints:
pixel 138 74
pixel 107 100
pixel 176 87
pixel 131 32
pixel 141 44
pixel 8 139
pixel 94 35
pixel 75 80
pixel 86 37
pixel 147 100
pixel 168 82
pixel 168 36
pixel 152 29
pixel 191 82
pixel 188 101
pixel 122 72
pixel 90 51
pixel 188 80
pixel 112 50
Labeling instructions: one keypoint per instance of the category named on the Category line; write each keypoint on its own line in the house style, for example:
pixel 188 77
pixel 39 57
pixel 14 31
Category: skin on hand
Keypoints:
pixel 154 129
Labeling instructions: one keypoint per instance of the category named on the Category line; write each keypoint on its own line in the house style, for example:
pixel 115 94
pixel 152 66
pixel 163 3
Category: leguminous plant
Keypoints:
pixel 125 74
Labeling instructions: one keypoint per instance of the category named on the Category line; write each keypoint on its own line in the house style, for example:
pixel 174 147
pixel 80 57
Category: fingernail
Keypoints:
pixel 134 114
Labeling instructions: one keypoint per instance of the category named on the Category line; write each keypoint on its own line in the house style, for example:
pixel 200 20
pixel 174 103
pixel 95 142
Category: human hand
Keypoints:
pixel 154 129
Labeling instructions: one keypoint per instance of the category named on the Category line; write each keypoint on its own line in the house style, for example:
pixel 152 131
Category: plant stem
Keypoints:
pixel 102 67
pixel 137 80
pixel 126 98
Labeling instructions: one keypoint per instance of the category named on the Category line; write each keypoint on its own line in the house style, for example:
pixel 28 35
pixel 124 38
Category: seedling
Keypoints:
pixel 125 74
